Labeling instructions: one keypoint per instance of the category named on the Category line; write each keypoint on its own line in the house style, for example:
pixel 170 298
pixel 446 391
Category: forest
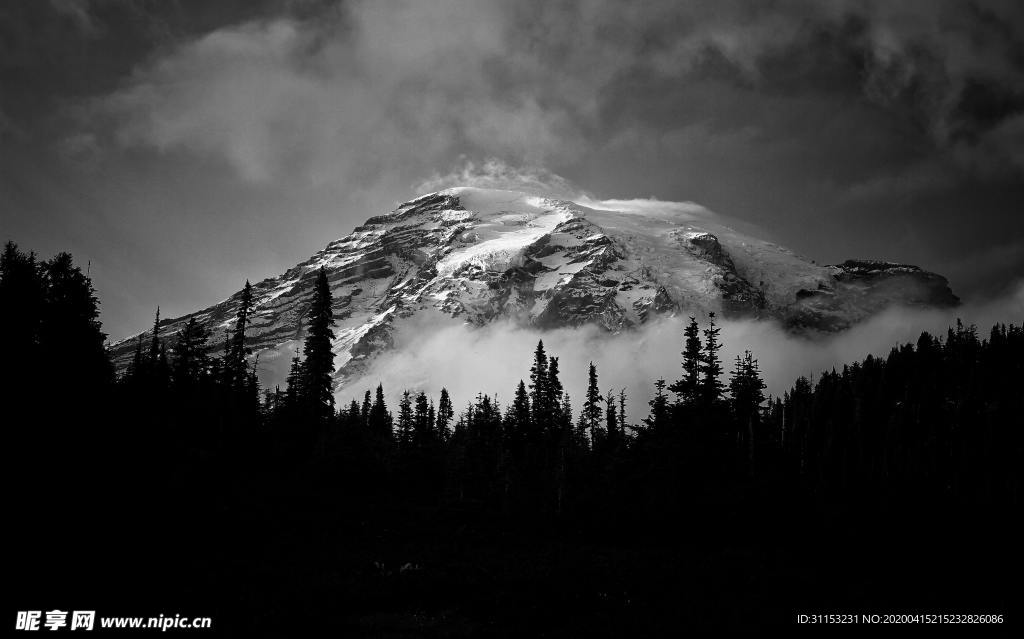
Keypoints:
pixel 891 485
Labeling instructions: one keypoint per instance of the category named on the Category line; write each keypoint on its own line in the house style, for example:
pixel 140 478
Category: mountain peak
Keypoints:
pixel 477 255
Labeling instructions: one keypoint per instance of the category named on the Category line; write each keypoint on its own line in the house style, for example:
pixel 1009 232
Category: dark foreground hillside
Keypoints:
pixel 181 487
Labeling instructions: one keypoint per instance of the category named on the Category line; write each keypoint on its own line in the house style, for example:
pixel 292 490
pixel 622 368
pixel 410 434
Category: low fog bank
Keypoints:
pixel 432 352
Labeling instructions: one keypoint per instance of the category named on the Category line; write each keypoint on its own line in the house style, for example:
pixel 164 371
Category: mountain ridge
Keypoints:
pixel 477 255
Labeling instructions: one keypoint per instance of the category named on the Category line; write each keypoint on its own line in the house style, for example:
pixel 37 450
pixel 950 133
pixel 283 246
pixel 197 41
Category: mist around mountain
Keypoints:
pixel 889 484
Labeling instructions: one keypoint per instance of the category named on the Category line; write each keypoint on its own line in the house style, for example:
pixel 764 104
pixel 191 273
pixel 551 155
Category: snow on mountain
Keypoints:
pixel 477 255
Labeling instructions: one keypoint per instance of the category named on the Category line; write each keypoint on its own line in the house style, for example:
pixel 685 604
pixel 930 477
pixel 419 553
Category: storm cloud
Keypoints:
pixel 358 87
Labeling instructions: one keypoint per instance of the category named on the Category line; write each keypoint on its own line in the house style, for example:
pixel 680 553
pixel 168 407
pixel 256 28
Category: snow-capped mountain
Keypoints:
pixel 477 255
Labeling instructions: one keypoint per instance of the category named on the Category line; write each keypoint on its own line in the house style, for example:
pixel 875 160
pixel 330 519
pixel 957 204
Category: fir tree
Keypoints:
pixel 70 333
pixel 380 418
pixel 622 411
pixel 235 368
pixel 22 296
pixel 611 415
pixel 520 411
pixel 364 410
pixel 190 362
pixel 658 416
pixel 405 422
pixel 553 416
pixel 294 383
pixel 590 416
pixel 445 413
pixel 539 384
pixel 317 352
pixel 686 388
pixel 746 389
pixel 711 386
pixel 421 423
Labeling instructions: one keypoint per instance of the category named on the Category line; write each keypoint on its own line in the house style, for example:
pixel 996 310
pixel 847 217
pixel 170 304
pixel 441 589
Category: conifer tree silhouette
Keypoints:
pixel 318 353
pixel 590 415
pixel 686 388
pixel 710 385
pixel 235 369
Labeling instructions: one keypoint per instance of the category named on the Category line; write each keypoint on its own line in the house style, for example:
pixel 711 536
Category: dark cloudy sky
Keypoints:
pixel 183 147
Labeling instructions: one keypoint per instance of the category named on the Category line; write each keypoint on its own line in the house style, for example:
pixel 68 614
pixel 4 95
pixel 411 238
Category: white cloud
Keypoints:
pixel 496 174
pixel 431 352
pixel 404 87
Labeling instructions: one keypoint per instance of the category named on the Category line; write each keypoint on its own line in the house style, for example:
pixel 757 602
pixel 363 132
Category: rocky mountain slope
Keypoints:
pixel 478 255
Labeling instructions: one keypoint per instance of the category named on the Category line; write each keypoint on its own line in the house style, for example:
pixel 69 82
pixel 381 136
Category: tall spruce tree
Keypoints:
pixel 422 425
pixel 235 369
pixel 190 363
pixel 380 418
pixel 622 412
pixel 746 389
pixel 294 384
pixel 520 411
pixel 590 415
pixel 154 341
pixel 686 388
pixel 317 351
pixel 71 335
pixel 611 416
pixel 445 413
pixel 405 422
pixel 22 295
pixel 364 410
pixel 553 417
pixel 657 418
pixel 711 386
pixel 539 384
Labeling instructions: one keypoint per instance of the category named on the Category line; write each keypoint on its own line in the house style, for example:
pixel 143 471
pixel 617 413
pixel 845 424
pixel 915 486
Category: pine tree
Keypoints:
pixel 622 412
pixel 190 362
pixel 71 336
pixel 658 416
pixel 553 417
pixel 611 415
pixel 364 410
pixel 22 296
pixel 539 385
pixel 445 413
pixel 422 424
pixel 235 368
pixel 294 384
pixel 154 341
pixel 405 422
pixel 520 411
pixel 590 416
pixel 746 389
pixel 380 418
pixel 711 386
pixel 317 352
pixel 686 388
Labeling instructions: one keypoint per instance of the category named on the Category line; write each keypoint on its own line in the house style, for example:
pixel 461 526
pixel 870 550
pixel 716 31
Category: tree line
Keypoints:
pixel 265 503
pixel 933 417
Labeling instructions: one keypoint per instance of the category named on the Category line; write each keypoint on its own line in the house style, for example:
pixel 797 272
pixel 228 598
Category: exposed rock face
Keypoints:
pixel 860 288
pixel 479 255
